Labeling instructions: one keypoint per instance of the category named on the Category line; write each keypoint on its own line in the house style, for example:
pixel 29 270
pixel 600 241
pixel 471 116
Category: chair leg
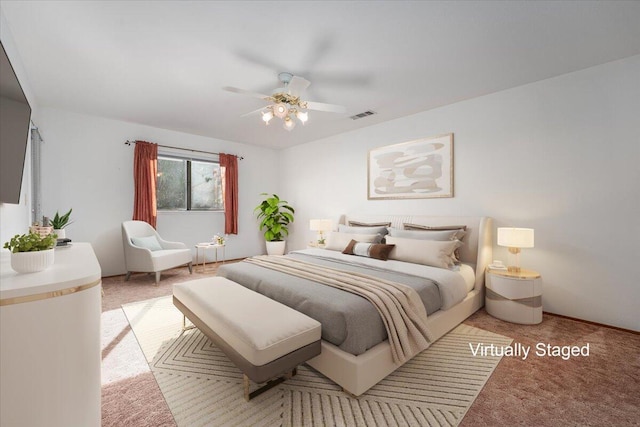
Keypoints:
pixel 190 265
pixel 158 273
pixel 127 277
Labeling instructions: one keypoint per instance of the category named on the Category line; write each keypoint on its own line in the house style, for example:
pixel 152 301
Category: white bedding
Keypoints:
pixel 454 284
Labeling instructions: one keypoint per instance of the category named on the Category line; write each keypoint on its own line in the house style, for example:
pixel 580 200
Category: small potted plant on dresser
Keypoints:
pixel 274 215
pixel 31 252
pixel 59 222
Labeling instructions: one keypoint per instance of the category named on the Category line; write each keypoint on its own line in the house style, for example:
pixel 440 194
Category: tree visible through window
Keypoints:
pixel 187 184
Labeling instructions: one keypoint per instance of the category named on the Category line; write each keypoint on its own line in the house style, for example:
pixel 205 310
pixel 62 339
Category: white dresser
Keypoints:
pixel 50 350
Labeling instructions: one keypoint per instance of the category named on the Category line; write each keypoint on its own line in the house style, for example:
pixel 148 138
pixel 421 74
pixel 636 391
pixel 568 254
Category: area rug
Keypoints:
pixel 203 388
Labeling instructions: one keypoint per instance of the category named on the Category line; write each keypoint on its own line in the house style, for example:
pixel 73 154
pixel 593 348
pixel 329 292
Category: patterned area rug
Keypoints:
pixel 203 388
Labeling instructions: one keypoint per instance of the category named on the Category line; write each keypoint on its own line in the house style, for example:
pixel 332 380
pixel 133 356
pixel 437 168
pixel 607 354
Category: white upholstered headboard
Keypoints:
pixel 477 245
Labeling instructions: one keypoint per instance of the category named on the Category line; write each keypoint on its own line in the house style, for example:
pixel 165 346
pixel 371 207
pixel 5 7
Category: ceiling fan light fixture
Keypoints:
pixel 286 102
pixel 288 123
pixel 280 110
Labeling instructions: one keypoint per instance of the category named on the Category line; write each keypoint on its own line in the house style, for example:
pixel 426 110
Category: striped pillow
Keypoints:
pixel 369 250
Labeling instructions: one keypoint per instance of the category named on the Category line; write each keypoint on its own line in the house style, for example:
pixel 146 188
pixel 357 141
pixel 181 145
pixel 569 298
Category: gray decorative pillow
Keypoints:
pixel 369 250
pixel 369 224
pixel 408 226
pixel 149 242
pixel 379 229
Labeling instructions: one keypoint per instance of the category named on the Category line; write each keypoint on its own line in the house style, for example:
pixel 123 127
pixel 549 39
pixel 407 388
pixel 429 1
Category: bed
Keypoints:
pixel 355 352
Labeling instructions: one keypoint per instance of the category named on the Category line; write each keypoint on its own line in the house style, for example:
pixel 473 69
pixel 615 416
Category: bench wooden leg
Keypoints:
pixel 268 385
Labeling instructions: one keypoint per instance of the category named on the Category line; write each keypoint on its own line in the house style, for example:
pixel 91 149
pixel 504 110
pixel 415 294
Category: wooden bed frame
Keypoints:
pixel 357 374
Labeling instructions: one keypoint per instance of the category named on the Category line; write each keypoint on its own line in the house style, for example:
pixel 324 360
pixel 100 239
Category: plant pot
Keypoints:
pixel 31 262
pixel 276 247
pixel 61 233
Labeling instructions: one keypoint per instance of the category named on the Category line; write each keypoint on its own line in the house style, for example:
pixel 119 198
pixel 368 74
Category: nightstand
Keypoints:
pixel 514 297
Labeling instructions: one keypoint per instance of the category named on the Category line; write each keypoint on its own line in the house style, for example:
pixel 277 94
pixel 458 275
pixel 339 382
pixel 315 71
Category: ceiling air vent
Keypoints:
pixel 362 115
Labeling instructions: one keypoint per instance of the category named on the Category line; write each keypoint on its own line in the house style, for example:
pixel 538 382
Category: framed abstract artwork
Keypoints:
pixel 417 169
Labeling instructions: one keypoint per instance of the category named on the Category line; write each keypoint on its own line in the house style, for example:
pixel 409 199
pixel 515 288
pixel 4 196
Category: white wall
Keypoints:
pixel 560 156
pixel 87 167
pixel 16 218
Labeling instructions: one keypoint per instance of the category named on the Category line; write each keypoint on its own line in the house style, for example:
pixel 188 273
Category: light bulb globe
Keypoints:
pixel 288 123
pixel 303 116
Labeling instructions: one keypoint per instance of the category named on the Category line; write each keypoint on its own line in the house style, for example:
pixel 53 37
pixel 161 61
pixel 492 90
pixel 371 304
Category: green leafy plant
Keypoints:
pixel 31 242
pixel 274 215
pixel 61 221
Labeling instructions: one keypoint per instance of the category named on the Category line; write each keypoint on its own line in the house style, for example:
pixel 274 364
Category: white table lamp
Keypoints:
pixel 320 225
pixel 515 239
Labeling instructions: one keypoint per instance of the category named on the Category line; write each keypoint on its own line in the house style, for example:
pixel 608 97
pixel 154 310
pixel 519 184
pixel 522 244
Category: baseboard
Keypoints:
pixel 182 266
pixel 589 322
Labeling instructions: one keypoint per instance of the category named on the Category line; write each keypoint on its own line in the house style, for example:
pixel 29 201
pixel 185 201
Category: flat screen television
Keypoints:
pixel 15 119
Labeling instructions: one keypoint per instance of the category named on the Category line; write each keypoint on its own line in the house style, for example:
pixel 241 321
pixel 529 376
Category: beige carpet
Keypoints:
pixel 202 387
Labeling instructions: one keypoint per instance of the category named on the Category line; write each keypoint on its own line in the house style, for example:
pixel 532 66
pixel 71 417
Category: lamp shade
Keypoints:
pixel 515 237
pixel 320 225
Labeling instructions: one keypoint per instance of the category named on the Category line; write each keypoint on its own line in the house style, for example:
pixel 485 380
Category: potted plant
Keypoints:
pixel 31 252
pixel 59 222
pixel 274 215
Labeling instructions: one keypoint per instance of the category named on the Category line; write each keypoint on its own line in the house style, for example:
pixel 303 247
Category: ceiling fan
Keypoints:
pixel 286 102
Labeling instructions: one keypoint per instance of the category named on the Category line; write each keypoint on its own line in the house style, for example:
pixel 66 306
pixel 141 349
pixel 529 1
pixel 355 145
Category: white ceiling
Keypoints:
pixel 164 63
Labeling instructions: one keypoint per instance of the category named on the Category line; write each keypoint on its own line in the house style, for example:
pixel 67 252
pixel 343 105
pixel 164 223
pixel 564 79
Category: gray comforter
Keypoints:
pixel 348 321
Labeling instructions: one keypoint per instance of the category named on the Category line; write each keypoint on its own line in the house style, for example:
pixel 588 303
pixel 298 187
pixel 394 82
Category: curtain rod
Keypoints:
pixel 127 142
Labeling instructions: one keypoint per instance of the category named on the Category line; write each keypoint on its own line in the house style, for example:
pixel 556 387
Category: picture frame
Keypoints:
pixel 418 169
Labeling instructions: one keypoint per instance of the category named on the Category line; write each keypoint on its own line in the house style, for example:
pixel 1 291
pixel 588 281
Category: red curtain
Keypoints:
pixel 145 175
pixel 230 164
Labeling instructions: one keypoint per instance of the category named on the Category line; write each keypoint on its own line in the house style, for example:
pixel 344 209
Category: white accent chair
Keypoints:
pixel 155 257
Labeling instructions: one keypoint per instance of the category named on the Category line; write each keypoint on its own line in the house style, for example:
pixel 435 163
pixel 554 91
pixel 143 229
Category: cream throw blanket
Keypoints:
pixel 400 306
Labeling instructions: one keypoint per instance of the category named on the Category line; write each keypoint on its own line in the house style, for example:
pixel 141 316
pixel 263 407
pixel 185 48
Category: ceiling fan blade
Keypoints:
pixel 297 85
pixel 320 106
pixel 247 92
pixel 250 113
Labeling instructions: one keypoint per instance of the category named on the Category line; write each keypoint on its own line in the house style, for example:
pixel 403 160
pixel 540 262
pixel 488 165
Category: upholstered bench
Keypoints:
pixel 266 340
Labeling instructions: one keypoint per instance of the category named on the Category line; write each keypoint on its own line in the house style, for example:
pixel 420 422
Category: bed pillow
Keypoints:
pixel 408 226
pixel 338 241
pixel 150 242
pixel 369 224
pixel 425 234
pixel 369 250
pixel 441 235
pixel 379 229
pixel 427 252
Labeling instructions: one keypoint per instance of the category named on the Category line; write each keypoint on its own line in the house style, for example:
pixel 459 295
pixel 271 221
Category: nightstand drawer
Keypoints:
pixel 514 297
pixel 513 288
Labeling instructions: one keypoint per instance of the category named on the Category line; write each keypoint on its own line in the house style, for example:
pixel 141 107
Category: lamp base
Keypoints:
pixel 514 260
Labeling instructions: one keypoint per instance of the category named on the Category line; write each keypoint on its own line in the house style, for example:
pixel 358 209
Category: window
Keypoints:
pixel 189 184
